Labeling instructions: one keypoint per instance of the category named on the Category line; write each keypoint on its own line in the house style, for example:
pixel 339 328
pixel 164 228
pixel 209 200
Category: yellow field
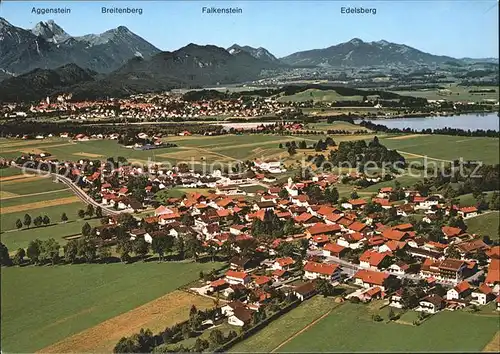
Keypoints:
pixel 25 178
pixel 494 345
pixel 10 178
pixel 155 315
pixel 7 195
pixel 402 137
pixel 38 205
pixel 35 150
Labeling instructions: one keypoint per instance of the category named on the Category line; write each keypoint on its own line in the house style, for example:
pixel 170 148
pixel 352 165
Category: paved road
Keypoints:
pixel 75 189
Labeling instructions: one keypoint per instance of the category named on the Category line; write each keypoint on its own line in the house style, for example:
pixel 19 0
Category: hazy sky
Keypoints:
pixel 455 28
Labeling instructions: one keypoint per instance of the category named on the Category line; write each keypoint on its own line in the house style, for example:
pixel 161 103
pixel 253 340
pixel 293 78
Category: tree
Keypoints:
pixel 179 247
pixel 49 251
pixel 38 221
pixel 200 345
pixel 332 195
pixel 90 210
pixel 193 248
pixel 292 150
pixel 127 221
pixel 216 337
pixel 98 212
pixel 71 251
pixel 162 245
pixel 86 229
pixel 141 247
pixel 324 287
pixel 4 255
pixel 289 227
pixel 104 253
pixel 81 213
pixel 27 220
pixel 87 249
pixel 33 250
pixel 354 195
pixel 19 257
pixel 64 217
pixel 124 247
pixel 453 252
pixel 19 224
pixel 283 194
pixel 46 220
pixel 187 219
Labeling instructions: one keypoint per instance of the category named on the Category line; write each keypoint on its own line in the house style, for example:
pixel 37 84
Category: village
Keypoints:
pixel 298 238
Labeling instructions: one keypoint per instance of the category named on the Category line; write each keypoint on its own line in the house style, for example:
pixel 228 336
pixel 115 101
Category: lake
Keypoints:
pixel 464 121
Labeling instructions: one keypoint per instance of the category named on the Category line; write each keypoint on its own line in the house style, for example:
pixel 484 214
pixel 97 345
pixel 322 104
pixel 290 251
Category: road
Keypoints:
pixel 84 197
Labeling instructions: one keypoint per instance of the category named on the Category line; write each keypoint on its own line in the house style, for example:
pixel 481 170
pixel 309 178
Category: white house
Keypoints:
pixel 234 277
pixel 468 212
pixel 314 270
pixel 460 291
pixel 482 295
pixel 396 299
pixel 430 304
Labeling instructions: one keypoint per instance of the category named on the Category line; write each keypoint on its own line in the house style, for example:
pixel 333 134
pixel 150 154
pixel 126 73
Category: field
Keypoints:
pixel 319 96
pixel 48 304
pixel 486 224
pixel 446 148
pixel 468 199
pixel 454 93
pixel 348 328
pixel 324 126
pixel 271 336
pixel 155 315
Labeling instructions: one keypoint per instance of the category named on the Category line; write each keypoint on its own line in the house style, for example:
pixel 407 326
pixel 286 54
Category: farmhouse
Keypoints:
pixel 482 295
pixel 430 304
pixel 368 278
pixel 460 291
pixel 468 212
pixel 234 277
pixel 314 270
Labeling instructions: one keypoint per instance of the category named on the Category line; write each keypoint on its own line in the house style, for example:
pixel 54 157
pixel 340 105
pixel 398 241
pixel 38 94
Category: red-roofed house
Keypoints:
pixel 322 228
pixel 468 212
pixel 368 278
pixel 283 263
pixel 354 204
pixel 333 250
pixel 482 295
pixel 450 232
pixel 394 235
pixel 314 270
pixel 234 277
pixel 357 227
pixel 373 260
pixel 460 291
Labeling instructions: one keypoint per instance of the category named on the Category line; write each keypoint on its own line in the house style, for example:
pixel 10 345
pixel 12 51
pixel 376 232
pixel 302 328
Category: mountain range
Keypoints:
pixel 48 46
pixel 46 60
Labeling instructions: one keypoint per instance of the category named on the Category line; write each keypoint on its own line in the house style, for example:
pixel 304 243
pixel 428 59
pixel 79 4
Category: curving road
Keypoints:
pixel 84 197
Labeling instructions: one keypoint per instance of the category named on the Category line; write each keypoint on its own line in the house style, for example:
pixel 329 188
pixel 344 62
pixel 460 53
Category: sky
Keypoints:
pixel 455 28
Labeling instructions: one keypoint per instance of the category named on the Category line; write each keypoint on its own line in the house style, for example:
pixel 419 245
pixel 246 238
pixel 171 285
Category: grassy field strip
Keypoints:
pixel 494 345
pixel 15 177
pixel 342 330
pixel 302 330
pixel 487 223
pixel 271 336
pixel 155 315
pixel 38 205
pixel 422 156
pixel 72 298
pixel 34 194
pixel 24 179
pixel 40 149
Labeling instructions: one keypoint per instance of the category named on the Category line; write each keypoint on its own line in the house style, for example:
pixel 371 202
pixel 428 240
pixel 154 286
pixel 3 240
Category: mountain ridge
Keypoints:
pixel 48 46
